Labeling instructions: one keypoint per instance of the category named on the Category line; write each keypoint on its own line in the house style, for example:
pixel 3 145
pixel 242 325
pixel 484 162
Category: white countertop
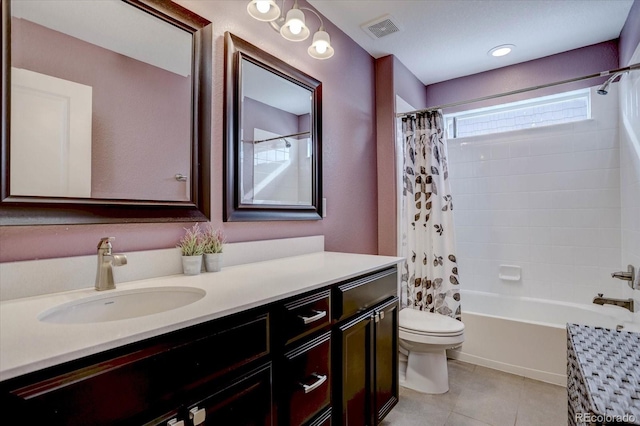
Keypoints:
pixel 27 344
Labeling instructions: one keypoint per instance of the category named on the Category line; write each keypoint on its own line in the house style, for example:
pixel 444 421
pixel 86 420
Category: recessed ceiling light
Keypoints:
pixel 503 49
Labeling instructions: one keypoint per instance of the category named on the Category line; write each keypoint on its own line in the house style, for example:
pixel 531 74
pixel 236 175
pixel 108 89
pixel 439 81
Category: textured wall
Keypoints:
pixel 630 36
pixel 392 79
pixel 349 153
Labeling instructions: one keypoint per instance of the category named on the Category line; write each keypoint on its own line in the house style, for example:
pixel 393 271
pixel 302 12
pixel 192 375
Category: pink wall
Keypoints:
pixel 139 133
pixel 630 35
pixel 349 153
pixel 392 78
pixel 572 64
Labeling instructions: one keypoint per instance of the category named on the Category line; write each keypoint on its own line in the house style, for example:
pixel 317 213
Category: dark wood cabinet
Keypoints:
pixel 386 358
pixel 306 380
pixel 366 351
pixel 145 382
pixel 353 372
pixel 246 400
pixel 328 356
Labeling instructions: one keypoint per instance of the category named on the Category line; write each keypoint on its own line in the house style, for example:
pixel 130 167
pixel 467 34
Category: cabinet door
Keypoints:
pixel 386 358
pixel 353 375
pixel 306 380
pixel 246 401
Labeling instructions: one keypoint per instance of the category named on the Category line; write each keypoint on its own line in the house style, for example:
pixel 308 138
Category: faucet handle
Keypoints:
pixel 105 242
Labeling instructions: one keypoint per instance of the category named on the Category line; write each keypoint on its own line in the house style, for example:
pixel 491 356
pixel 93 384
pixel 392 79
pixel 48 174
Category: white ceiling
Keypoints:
pixel 113 25
pixel 444 39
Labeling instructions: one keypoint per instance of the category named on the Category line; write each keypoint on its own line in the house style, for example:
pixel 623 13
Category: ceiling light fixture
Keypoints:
pixel 502 50
pixel 263 10
pixel 293 27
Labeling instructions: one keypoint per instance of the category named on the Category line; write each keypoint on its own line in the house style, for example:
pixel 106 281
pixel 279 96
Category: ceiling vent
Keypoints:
pixel 380 27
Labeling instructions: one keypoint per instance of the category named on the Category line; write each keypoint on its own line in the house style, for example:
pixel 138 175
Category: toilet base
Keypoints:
pixel 427 372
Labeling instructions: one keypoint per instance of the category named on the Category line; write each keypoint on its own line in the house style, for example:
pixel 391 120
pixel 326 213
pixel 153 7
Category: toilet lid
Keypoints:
pixel 429 322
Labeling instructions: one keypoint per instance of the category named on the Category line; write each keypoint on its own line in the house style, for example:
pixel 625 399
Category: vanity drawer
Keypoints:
pixel 360 294
pixel 322 419
pixel 306 314
pixel 307 384
pixel 135 382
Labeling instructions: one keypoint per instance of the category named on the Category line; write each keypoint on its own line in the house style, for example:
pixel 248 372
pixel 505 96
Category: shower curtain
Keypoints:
pixel 430 272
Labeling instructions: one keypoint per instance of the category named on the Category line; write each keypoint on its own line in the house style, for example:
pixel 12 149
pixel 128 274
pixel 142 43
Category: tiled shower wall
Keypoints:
pixel 547 200
pixel 630 166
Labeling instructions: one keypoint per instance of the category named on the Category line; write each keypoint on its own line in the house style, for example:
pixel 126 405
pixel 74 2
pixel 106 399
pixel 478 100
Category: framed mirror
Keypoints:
pixel 106 112
pixel 273 137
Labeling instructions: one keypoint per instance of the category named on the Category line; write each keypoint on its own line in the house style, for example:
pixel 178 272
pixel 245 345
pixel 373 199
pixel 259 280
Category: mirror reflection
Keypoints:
pixel 276 152
pixel 273 137
pixel 101 101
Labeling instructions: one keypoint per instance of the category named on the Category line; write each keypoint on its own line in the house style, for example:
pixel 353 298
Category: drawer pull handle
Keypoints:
pixel 320 380
pixel 316 317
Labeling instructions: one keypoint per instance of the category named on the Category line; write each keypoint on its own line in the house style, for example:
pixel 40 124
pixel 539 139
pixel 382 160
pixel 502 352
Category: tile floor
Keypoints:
pixel 481 396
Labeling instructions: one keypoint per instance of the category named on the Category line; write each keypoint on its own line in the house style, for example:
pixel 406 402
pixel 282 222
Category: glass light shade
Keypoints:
pixel 321 46
pixel 270 8
pixel 294 28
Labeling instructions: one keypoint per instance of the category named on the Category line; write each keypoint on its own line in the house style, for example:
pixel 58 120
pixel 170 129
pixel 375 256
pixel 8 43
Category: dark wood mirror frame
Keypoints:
pixel 236 50
pixel 49 211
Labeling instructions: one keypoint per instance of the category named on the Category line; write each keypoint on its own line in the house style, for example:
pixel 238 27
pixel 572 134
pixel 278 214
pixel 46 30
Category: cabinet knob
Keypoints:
pixel 197 416
pixel 381 313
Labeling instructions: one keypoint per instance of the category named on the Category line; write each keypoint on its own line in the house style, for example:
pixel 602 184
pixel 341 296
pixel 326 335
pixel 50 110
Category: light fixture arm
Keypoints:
pixel 315 13
pixel 277 24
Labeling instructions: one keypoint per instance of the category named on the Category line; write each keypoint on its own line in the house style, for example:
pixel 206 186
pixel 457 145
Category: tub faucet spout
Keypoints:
pixel 628 304
pixel 106 261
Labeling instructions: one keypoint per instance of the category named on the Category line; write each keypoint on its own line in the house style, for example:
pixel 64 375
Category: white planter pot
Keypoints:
pixel 191 265
pixel 213 262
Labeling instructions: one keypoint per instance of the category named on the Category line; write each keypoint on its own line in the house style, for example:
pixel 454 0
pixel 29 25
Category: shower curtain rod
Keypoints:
pixel 279 137
pixel 528 89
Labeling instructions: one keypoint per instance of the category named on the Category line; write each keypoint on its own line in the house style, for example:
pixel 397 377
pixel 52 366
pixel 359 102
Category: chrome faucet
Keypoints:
pixel 623 303
pixel 630 276
pixel 106 261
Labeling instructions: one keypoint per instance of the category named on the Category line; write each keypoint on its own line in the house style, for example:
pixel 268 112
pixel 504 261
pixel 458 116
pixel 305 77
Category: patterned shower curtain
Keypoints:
pixel 430 271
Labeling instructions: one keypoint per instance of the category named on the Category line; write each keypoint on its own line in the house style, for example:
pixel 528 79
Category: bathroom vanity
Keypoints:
pixel 304 340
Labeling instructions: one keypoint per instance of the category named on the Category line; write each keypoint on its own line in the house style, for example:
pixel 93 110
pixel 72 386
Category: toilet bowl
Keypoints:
pixel 424 339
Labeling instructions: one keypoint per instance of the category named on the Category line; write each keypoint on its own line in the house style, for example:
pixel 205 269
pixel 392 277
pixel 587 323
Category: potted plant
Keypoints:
pixel 213 242
pixel 192 247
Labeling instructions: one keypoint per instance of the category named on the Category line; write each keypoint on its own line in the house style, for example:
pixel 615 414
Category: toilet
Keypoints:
pixel 424 339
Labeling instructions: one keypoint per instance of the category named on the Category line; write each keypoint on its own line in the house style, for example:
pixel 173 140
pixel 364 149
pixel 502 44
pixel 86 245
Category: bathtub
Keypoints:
pixel 527 336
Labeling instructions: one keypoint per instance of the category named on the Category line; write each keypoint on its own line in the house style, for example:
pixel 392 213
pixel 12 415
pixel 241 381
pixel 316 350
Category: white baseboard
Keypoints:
pixel 543 376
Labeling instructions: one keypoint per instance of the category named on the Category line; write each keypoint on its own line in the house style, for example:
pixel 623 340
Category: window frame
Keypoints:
pixel 451 120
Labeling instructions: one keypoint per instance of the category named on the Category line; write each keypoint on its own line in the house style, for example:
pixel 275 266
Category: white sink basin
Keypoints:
pixel 119 305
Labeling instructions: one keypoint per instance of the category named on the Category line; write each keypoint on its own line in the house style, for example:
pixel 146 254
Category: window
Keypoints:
pixel 273 152
pixel 537 112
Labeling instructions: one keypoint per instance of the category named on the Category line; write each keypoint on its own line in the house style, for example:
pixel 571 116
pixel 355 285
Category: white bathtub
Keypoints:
pixel 527 336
